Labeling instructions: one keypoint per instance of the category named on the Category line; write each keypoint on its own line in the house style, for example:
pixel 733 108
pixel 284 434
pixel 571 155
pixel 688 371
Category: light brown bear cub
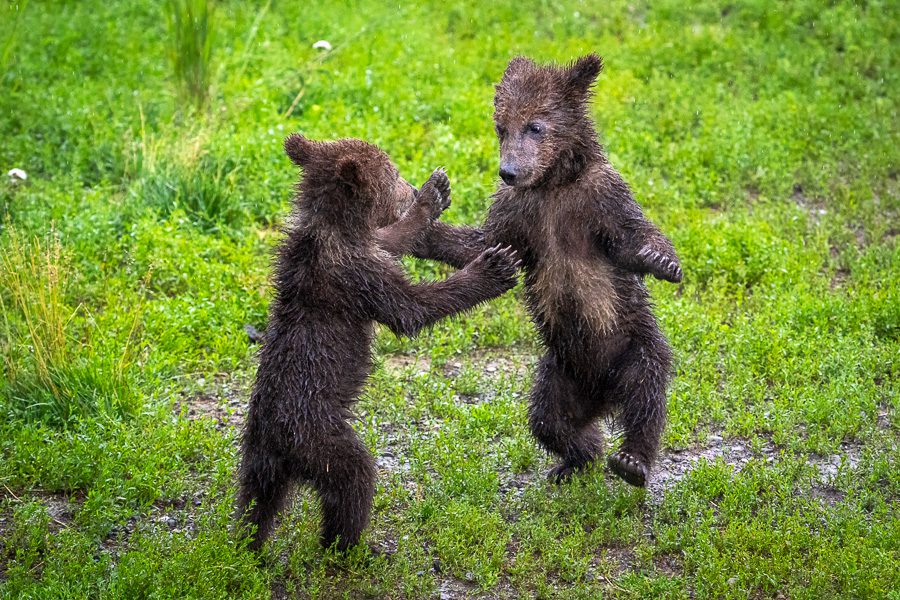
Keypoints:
pixel 585 245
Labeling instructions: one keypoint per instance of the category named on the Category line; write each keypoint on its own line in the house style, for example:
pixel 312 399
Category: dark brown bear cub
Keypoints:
pixel 336 276
pixel 585 245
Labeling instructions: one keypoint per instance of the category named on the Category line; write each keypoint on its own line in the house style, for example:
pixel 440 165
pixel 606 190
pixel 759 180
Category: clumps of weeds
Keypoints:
pixel 204 191
pixel 184 175
pixel 57 366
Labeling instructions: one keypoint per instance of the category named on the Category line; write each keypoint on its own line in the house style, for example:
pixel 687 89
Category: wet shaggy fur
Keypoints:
pixel 585 245
pixel 336 276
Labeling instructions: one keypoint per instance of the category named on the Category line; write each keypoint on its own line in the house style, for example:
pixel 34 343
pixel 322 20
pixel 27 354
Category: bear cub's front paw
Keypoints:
pixel 498 263
pixel 630 468
pixel 661 266
pixel 435 194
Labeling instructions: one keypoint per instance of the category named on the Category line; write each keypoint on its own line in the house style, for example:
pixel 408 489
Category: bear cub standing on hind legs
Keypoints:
pixel 585 246
pixel 337 275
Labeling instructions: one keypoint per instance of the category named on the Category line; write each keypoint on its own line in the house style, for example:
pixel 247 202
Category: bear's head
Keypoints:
pixel 541 117
pixel 349 182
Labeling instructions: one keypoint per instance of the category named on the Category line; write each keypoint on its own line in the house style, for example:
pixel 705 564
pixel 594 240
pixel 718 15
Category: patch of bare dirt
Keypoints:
pixel 827 494
pixel 609 563
pixel 621 558
pixel 670 564
pixel 452 588
pixel 491 364
pixel 815 208
pixel 829 465
pixel 883 420
pixel 6 521
pixel 178 516
pixel 61 507
pixel 392 459
pixel 488 362
pixel 399 363
pixel 392 454
pixel 672 466
pixel 279 591
pixel 860 234
pixel 512 489
pixel 752 195
pixel 224 400
pixel 118 535
pixel 61 510
pixel 383 542
pixel 841 275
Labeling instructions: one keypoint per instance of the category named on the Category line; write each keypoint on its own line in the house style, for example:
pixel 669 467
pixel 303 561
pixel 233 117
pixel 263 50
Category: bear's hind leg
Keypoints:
pixel 640 392
pixel 264 484
pixel 560 419
pixel 343 473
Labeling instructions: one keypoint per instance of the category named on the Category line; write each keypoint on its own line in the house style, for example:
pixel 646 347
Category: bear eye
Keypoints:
pixel 535 128
pixel 501 131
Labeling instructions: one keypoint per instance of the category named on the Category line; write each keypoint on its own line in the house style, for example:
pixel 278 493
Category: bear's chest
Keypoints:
pixel 570 278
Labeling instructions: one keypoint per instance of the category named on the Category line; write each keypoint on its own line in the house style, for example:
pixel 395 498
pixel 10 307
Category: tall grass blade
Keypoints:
pixel 191 42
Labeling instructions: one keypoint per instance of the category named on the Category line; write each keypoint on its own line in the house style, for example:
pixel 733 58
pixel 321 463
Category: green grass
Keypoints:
pixel 191 34
pixel 761 136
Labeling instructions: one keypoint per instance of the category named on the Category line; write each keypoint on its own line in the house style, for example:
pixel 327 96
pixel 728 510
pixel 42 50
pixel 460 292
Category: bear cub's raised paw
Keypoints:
pixel 665 267
pixel 500 263
pixel 630 468
pixel 435 193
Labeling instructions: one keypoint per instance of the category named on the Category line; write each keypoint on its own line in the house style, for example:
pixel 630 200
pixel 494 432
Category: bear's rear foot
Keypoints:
pixel 340 544
pixel 564 471
pixel 631 469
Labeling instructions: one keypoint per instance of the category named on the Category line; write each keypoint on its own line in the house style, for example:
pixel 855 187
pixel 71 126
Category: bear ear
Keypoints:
pixel 518 65
pixel 349 173
pixel 581 75
pixel 298 148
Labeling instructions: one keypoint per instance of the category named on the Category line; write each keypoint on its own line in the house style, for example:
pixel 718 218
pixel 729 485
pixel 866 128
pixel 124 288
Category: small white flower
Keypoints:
pixel 322 45
pixel 18 174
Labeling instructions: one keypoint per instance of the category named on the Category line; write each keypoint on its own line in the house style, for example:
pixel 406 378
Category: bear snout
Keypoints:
pixel 508 173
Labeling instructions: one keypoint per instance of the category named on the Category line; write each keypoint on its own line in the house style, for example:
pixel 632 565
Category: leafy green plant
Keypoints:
pixel 191 29
pixel 27 540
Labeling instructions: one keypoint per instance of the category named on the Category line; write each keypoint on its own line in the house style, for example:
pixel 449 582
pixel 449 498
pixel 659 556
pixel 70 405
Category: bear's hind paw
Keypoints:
pixel 631 469
pixel 563 472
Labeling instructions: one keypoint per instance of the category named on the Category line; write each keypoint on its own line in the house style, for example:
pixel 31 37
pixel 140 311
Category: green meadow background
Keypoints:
pixel 761 136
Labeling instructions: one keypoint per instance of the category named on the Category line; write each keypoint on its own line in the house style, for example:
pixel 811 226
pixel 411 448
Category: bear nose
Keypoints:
pixel 508 174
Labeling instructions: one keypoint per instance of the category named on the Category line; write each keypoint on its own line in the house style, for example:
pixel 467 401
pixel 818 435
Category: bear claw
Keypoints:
pixel 560 473
pixel 631 469
pixel 441 184
pixel 666 267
